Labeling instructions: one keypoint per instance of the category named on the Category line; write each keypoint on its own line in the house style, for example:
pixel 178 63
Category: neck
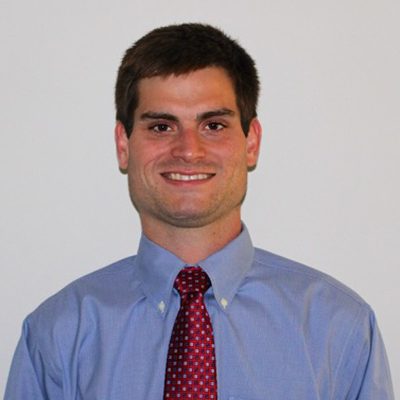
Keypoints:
pixel 192 245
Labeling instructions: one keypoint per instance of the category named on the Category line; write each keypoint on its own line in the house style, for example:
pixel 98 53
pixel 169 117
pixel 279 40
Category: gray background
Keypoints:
pixel 326 191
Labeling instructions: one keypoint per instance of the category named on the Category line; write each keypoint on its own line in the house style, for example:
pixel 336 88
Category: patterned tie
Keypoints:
pixel 191 371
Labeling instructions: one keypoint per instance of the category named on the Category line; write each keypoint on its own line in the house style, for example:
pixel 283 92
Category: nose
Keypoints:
pixel 188 146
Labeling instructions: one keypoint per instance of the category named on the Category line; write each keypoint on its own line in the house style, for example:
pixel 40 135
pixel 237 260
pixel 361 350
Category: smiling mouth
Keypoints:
pixel 175 176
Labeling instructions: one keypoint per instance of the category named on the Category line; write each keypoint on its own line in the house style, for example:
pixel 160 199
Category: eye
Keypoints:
pixel 160 128
pixel 215 126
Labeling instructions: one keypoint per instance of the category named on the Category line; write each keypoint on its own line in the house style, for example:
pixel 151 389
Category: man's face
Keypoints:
pixel 187 156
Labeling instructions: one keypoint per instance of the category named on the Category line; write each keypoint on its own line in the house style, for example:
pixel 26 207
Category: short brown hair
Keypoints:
pixel 179 49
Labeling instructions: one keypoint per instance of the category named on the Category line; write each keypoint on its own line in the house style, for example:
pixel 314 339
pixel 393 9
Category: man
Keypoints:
pixel 198 313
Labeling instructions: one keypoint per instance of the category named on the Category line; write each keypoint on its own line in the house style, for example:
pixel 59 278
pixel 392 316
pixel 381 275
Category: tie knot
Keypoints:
pixel 192 279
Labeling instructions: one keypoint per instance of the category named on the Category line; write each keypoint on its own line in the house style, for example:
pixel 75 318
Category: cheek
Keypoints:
pixel 143 163
pixel 235 158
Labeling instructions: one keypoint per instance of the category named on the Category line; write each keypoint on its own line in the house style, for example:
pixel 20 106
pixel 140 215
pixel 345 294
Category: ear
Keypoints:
pixel 253 140
pixel 122 145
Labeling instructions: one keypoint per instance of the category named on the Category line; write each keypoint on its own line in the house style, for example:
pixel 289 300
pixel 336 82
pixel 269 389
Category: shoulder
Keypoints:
pixel 334 323
pixel 83 300
pixel 310 292
pixel 324 310
pixel 98 284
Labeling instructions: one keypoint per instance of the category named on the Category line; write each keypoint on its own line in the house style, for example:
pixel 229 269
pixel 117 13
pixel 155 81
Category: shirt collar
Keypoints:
pixel 157 269
pixel 228 267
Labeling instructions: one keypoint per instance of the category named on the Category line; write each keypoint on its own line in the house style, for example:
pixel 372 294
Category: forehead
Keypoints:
pixel 207 87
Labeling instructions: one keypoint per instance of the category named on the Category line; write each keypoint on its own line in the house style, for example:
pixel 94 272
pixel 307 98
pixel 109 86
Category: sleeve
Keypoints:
pixel 364 371
pixel 30 377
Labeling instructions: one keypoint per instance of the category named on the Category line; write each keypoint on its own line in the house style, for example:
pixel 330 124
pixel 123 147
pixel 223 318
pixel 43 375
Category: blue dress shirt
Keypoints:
pixel 283 331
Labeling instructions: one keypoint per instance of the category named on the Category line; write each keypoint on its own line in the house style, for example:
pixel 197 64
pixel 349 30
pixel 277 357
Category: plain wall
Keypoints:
pixel 326 191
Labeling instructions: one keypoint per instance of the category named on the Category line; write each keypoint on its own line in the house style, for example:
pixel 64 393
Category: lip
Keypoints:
pixel 190 178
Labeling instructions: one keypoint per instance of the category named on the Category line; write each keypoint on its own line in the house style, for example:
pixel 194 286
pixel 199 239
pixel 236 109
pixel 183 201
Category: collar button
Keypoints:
pixel 161 306
pixel 224 303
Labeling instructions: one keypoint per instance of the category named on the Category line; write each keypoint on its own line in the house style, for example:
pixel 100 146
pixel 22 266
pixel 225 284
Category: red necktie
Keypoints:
pixel 191 371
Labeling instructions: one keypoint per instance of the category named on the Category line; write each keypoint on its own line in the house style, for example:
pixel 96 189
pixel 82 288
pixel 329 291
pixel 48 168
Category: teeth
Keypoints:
pixel 179 177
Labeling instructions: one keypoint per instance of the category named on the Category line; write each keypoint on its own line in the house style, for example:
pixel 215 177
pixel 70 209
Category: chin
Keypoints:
pixel 189 219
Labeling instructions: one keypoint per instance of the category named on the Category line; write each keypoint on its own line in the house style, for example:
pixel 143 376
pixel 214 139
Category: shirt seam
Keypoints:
pixel 52 366
pixel 347 346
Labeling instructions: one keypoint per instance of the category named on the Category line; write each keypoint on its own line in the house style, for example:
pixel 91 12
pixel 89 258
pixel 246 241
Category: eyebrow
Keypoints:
pixel 158 115
pixel 221 112
pixel 200 117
